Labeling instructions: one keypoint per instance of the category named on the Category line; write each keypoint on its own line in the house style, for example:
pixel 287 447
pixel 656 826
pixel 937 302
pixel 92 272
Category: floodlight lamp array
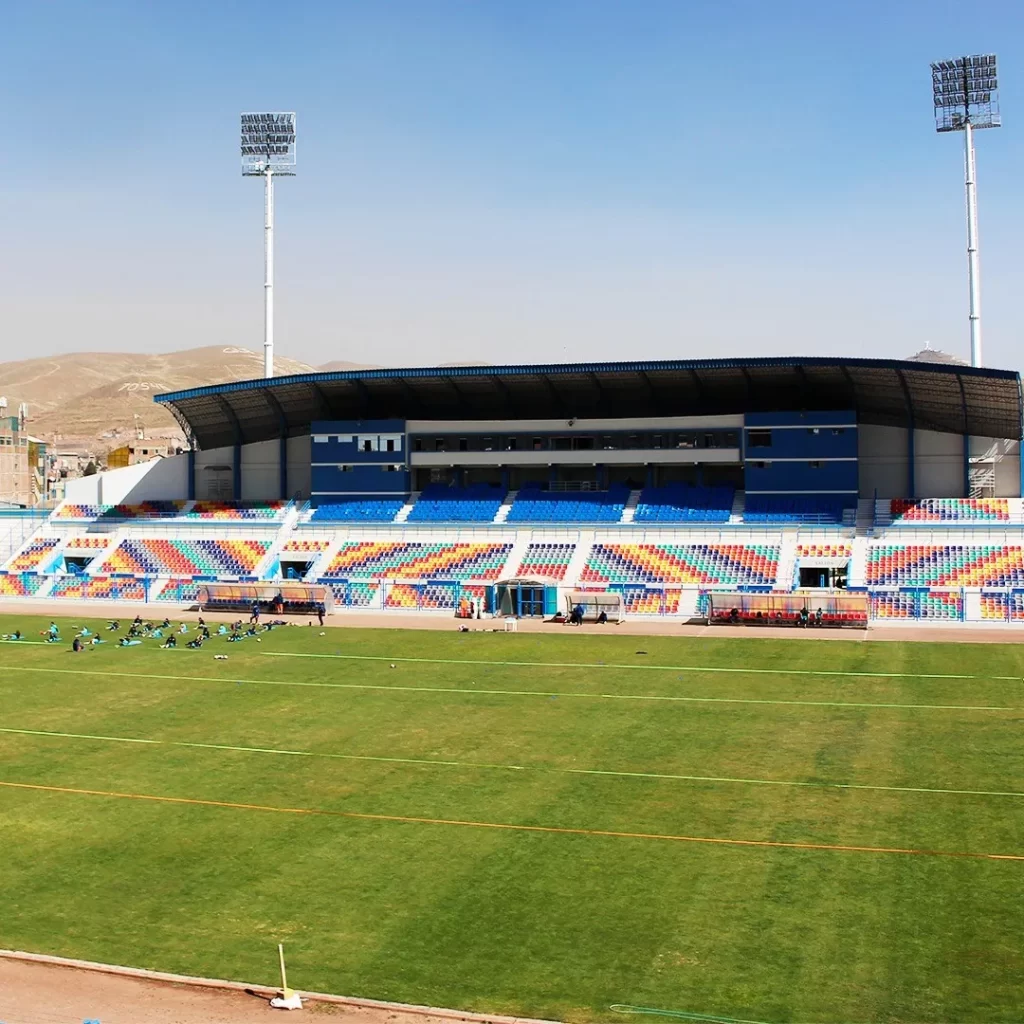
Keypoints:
pixel 964 91
pixel 268 142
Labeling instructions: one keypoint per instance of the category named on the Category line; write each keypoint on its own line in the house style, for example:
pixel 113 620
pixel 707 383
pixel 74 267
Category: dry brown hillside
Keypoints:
pixel 92 399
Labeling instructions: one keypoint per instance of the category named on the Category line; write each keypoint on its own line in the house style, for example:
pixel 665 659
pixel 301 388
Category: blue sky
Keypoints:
pixel 505 181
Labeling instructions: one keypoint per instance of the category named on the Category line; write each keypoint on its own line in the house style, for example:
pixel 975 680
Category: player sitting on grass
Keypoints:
pixel 113 626
pixel 171 641
pixel 52 634
pixel 196 642
pixel 128 641
pixel 16 635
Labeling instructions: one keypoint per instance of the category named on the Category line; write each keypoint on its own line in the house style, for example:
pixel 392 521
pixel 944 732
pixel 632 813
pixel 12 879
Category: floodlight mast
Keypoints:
pixel 964 98
pixel 268 150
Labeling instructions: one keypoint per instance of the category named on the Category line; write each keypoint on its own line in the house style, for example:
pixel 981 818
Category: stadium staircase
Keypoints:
pixel 515 556
pixel 506 506
pixel 629 512
pixel 403 513
pixel 739 503
pixel 785 577
pixel 865 521
pixel 579 558
pixel 858 561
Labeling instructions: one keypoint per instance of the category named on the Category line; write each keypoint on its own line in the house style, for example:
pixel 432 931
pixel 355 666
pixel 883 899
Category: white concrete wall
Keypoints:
pixel 939 462
pixel 261 473
pixel 882 454
pixel 213 467
pixel 157 480
pixel 1007 468
pixel 299 467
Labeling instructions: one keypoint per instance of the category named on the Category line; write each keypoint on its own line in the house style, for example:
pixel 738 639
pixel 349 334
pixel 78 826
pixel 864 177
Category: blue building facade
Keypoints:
pixel 800 453
pixel 358 457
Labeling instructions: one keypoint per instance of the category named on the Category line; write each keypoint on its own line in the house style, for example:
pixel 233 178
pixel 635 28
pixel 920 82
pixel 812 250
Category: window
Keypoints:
pixel 710 440
pixel 759 439
pixel 367 445
pixel 608 443
pixel 463 444
pixel 345 469
pixel 389 468
pixel 656 441
pixel 837 431
pixel 729 440
pixel 440 445
pixel 538 444
pixel 510 444
pixel 686 441
pixel 488 444
pixel 391 444
pixel 583 444
pixel 816 464
pixel 417 444
pixel 319 439
pixel 562 444
pixel 813 430
pixel 761 465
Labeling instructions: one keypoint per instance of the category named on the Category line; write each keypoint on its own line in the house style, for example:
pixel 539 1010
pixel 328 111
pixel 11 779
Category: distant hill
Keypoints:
pixel 340 364
pixel 91 399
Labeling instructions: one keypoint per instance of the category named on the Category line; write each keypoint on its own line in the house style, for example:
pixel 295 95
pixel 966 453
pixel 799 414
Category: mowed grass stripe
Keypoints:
pixel 517 693
pixel 513 827
pixel 438 763
pixel 630 665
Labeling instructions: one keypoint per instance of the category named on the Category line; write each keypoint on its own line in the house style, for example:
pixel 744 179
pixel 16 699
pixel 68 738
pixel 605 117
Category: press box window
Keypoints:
pixel 759 439
pixel 816 464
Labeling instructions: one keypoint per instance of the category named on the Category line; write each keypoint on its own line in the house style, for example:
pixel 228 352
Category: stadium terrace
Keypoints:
pixel 877 490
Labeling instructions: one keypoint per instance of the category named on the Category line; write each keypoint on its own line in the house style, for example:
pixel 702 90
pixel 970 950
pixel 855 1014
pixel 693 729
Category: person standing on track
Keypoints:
pixel 255 615
pixel 320 609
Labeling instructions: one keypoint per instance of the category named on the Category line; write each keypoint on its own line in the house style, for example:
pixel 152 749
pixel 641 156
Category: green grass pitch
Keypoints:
pixel 885 746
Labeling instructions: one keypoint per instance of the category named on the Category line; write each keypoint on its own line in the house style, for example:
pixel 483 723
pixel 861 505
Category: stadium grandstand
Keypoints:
pixel 670 484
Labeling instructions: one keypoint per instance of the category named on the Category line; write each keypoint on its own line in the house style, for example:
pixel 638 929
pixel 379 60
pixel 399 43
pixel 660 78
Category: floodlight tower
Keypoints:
pixel 964 97
pixel 268 151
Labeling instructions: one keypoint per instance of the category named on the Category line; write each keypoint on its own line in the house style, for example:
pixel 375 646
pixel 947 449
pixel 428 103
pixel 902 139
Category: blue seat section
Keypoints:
pixel 359 510
pixel 438 503
pixel 682 503
pixel 798 508
pixel 533 505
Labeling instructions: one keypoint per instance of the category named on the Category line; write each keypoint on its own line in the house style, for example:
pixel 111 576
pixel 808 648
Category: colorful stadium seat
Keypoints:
pixel 547 560
pixel 34 555
pixel 305 547
pixel 950 510
pixel 970 565
pixel 88 542
pixel 405 560
pixel 643 601
pixel 179 591
pixel 837 550
pixel 424 597
pixel 25 585
pixel 355 594
pixel 159 556
pixel 727 565
pixel 99 588
pixel 265 511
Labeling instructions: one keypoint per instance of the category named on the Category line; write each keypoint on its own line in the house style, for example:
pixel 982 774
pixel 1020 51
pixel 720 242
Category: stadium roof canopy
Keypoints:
pixel 934 396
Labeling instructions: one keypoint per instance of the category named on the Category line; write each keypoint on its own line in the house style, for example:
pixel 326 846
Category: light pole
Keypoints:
pixel 964 99
pixel 268 151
